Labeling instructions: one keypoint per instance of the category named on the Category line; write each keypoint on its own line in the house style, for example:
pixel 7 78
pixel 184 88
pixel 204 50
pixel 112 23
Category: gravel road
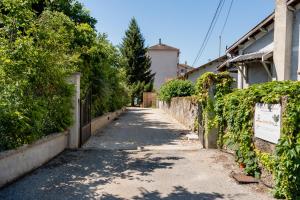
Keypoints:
pixel 141 155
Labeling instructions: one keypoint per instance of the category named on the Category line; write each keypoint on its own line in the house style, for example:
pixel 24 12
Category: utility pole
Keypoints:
pixel 220 45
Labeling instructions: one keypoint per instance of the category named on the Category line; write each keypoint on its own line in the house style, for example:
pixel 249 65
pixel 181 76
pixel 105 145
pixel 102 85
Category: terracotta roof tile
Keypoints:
pixel 163 47
pixel 185 66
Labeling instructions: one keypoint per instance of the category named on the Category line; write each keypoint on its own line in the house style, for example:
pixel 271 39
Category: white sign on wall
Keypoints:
pixel 267 122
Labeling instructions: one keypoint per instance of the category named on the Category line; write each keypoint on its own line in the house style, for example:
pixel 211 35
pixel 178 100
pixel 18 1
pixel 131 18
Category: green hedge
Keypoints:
pixel 38 52
pixel 176 88
pixel 35 99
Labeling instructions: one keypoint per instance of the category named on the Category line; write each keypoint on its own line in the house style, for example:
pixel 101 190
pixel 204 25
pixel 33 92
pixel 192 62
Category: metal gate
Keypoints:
pixel 85 118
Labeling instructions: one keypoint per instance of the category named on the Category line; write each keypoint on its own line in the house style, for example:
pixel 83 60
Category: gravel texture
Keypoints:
pixel 159 163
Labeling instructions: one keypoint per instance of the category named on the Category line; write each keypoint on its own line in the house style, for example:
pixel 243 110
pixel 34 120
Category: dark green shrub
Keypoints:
pixel 176 88
pixel 38 52
pixel 35 99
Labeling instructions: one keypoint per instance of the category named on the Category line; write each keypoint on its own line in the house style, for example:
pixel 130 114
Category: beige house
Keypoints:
pixel 269 51
pixel 164 63
pixel 211 66
pixel 183 69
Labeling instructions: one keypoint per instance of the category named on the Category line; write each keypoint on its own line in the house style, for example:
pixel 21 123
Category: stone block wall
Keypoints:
pixel 183 109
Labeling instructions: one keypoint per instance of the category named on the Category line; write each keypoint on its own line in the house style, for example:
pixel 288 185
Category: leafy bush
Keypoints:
pixel 176 88
pixel 39 49
pixel 35 99
pixel 238 115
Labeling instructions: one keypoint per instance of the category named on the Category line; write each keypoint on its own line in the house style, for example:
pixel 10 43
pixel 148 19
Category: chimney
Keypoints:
pixel 159 41
pixel 282 40
pixel 185 63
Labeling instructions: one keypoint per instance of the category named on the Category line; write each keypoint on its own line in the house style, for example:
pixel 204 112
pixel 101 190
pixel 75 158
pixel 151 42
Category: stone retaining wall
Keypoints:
pixel 183 109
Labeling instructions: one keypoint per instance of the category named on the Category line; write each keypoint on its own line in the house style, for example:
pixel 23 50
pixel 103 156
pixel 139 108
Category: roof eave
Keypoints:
pixel 163 49
pixel 219 59
pixel 257 29
pixel 292 2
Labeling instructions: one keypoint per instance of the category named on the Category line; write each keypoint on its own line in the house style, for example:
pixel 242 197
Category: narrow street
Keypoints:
pixel 143 154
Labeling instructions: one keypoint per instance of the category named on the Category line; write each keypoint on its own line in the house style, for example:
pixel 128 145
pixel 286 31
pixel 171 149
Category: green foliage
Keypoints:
pixel 266 160
pixel 239 112
pixel 210 90
pixel 101 72
pixel 233 115
pixel 35 99
pixel 71 8
pixel 136 62
pixel 39 49
pixel 107 78
pixel 176 88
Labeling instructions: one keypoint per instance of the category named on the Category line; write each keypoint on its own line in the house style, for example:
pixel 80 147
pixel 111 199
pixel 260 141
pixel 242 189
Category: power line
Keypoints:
pixel 210 30
pixel 223 28
pixel 227 16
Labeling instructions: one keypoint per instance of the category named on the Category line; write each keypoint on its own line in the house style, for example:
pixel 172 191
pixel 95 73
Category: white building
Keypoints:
pixel 269 51
pixel 164 63
pixel 211 66
pixel 183 69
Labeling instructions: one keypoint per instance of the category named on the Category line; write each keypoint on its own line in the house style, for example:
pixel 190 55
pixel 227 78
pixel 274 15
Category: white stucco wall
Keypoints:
pixel 182 70
pixel 164 65
pixel 196 74
pixel 100 122
pixel 16 163
pixel 260 44
pixel 295 47
pixel 255 72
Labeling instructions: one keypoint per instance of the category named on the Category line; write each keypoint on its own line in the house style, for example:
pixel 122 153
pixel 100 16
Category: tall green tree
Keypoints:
pixel 72 8
pixel 136 62
pixel 41 43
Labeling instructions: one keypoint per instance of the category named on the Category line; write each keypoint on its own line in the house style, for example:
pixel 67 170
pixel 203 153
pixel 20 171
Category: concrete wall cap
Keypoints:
pixel 43 140
pixel 76 74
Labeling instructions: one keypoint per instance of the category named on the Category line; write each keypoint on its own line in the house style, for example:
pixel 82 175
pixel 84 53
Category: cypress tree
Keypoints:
pixel 137 62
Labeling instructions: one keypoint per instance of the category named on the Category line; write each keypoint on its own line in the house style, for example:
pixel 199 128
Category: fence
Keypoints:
pixel 85 117
pixel 149 99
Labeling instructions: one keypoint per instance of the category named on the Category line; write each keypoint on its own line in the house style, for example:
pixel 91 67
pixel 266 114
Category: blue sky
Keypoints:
pixel 179 23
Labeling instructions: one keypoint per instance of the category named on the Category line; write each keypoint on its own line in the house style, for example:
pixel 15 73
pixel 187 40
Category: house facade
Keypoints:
pixel 164 63
pixel 211 66
pixel 269 51
pixel 183 69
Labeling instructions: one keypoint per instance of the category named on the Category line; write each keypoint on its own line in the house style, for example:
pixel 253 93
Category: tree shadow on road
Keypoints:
pixel 137 128
pixel 78 174
pixel 178 193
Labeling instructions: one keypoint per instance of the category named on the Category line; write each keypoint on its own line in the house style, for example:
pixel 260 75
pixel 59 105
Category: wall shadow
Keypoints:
pixel 138 127
pixel 178 193
pixel 77 174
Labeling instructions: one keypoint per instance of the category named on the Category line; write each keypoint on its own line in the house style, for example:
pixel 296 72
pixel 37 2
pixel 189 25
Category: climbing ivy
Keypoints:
pixel 210 89
pixel 232 112
pixel 238 113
